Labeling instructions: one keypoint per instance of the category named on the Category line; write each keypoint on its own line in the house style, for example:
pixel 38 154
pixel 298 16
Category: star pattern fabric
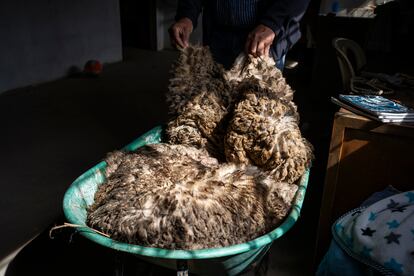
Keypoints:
pixel 398 209
pixel 367 231
pixel 410 196
pixel 392 204
pixel 393 224
pixel 356 213
pixel 366 251
pixel 393 237
pixel 381 235
pixel 339 227
pixel 394 265
pixel 372 216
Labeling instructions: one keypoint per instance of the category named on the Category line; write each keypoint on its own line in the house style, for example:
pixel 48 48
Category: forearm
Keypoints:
pixel 281 12
pixel 190 9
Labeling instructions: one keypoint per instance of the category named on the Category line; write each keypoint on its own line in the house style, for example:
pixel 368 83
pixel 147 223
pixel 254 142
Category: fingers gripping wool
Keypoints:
pixel 181 198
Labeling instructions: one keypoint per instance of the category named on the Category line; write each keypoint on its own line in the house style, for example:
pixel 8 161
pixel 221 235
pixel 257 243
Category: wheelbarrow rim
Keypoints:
pixel 69 205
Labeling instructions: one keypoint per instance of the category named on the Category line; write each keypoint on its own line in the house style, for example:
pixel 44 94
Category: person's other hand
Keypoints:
pixel 259 41
pixel 180 32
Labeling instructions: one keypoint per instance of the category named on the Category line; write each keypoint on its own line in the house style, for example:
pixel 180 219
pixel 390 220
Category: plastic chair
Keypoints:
pixel 348 50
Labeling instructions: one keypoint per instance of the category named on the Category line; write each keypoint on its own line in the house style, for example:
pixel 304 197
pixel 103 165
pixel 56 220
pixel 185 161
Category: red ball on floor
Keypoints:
pixel 93 67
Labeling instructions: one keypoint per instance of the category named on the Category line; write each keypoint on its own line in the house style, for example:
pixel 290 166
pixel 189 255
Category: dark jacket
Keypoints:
pixel 282 16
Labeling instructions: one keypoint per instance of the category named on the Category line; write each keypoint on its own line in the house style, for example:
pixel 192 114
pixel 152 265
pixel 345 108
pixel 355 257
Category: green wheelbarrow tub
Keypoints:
pixel 230 260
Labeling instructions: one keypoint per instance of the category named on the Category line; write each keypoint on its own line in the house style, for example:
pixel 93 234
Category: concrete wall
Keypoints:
pixel 41 40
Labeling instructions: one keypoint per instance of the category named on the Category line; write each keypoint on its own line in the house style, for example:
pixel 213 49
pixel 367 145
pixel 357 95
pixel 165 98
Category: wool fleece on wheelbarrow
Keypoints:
pixel 227 170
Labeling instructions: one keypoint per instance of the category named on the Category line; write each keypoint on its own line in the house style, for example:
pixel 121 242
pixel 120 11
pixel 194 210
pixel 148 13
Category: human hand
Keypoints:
pixel 180 32
pixel 259 41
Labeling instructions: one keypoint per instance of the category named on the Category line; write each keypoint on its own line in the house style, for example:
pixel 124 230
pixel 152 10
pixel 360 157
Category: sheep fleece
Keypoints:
pixel 181 198
pixel 228 170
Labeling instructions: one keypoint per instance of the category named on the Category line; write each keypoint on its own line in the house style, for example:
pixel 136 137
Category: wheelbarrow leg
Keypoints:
pixel 182 268
pixel 119 265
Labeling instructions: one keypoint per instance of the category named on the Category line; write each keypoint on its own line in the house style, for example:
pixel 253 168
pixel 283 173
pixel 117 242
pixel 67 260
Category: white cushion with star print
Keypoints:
pixel 380 235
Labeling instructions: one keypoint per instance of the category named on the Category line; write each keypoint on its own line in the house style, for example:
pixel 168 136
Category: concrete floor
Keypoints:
pixel 53 132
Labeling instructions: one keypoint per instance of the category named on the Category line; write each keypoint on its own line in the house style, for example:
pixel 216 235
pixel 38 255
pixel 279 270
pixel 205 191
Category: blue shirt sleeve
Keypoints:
pixel 281 13
pixel 190 9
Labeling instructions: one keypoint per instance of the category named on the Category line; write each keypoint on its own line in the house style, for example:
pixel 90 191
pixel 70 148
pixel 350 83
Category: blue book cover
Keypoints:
pixel 385 119
pixel 376 105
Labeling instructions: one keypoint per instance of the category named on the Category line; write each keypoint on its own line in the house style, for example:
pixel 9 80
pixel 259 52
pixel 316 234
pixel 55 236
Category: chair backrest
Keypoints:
pixel 351 59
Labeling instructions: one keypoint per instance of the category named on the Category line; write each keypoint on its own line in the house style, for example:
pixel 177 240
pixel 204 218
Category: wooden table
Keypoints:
pixel 364 157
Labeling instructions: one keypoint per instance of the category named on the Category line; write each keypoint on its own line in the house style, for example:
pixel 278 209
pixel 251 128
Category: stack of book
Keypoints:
pixel 376 108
